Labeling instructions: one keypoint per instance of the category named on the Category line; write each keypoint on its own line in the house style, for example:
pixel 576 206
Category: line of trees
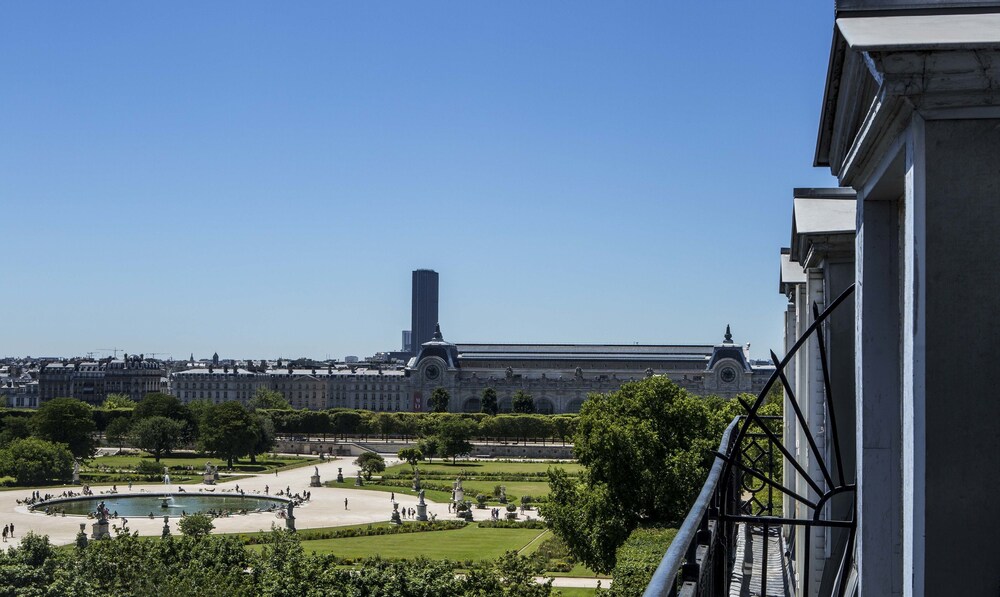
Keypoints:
pixel 407 425
pixel 40 446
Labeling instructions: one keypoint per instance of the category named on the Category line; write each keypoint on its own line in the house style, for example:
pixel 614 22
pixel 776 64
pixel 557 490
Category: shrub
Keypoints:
pixel 196 525
pixel 149 467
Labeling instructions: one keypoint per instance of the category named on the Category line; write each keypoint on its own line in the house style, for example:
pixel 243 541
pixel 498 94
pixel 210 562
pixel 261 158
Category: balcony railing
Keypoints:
pixel 737 503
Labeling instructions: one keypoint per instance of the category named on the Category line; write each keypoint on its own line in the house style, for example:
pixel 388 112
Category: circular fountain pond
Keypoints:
pixel 164 504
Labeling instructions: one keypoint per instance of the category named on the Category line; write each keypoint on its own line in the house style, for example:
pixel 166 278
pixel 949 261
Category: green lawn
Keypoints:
pixel 576 591
pixel 471 467
pixel 468 543
pixel 182 460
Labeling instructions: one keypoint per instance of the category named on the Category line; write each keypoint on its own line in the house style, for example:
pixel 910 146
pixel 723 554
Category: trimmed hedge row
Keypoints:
pixel 439 525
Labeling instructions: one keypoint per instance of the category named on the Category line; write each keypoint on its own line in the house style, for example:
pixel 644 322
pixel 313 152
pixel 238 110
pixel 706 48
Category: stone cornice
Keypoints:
pixel 871 95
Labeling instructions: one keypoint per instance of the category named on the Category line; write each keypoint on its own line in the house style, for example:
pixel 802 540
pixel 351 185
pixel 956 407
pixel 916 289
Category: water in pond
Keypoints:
pixel 142 505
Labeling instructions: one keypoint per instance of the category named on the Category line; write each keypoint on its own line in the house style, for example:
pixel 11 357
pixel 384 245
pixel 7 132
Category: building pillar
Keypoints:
pixel 878 551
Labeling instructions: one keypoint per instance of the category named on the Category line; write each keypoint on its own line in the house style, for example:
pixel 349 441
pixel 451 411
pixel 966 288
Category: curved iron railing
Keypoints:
pixel 698 540
pixel 701 558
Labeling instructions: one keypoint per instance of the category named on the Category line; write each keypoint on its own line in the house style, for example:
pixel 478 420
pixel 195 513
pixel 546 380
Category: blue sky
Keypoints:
pixel 259 179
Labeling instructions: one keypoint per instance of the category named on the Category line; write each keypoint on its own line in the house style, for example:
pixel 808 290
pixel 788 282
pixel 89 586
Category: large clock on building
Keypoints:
pixel 728 375
pixel 432 372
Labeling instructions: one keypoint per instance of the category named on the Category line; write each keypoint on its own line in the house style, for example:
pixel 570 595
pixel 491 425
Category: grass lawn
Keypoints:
pixel 182 460
pixel 471 467
pixel 575 591
pixel 468 543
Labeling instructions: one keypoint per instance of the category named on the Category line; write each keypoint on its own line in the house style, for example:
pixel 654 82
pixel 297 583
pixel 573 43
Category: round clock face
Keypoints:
pixel 432 372
pixel 728 375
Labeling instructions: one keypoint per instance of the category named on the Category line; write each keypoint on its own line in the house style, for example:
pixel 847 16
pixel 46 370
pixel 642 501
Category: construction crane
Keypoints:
pixel 115 350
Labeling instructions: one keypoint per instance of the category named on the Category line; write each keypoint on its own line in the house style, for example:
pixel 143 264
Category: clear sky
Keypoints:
pixel 259 178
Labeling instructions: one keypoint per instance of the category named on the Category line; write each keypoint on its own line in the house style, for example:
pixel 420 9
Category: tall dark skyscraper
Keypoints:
pixel 424 310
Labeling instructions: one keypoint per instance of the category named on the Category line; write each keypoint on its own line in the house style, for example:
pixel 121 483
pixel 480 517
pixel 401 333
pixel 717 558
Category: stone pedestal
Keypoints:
pixel 314 481
pixel 290 517
pixel 100 529
pixel 395 519
pixel 422 512
pixel 208 479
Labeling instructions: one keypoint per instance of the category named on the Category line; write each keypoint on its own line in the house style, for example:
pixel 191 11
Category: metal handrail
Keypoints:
pixel 665 577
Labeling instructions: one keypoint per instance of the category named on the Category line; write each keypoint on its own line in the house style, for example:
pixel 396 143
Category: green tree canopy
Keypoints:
pixel 522 402
pixel 14 428
pixel 32 461
pixel 156 404
pixel 113 401
pixel 370 463
pixel 411 456
pixel 66 421
pixel 489 401
pixel 227 431
pixel 439 400
pixel 453 436
pixel 157 435
pixel 118 432
pixel 646 449
pixel 428 446
pixel 266 398
pixel 264 435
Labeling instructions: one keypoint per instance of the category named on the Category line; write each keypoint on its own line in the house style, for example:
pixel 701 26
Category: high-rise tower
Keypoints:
pixel 424 310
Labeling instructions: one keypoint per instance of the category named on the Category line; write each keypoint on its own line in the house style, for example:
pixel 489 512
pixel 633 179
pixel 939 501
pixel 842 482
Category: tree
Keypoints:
pixel 428 446
pixel 453 438
pixel 157 435
pixel 646 451
pixel 196 525
pixel 370 463
pixel 32 461
pixel 264 436
pixel 66 421
pixel 113 401
pixel 156 404
pixel 227 431
pixel 118 432
pixel 489 401
pixel 411 456
pixel 439 400
pixel 522 402
pixel 268 399
pixel 14 428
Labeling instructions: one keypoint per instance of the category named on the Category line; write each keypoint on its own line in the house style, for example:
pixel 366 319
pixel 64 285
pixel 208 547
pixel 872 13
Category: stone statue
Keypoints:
pixel 316 470
pixel 290 517
pixel 420 496
pixel 503 494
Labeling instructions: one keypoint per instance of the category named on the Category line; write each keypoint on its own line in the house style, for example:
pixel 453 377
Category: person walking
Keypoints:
pixel 12 529
pixel 392 496
pixel 5 533
pixel 345 503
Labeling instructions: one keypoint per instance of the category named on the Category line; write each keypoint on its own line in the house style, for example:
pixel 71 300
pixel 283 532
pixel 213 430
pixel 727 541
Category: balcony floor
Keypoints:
pixel 743 584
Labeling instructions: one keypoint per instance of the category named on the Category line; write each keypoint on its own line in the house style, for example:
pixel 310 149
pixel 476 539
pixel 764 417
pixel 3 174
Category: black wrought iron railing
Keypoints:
pixel 740 494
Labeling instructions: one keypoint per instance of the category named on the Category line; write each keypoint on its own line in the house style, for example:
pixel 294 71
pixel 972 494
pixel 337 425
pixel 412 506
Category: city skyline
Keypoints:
pixel 576 173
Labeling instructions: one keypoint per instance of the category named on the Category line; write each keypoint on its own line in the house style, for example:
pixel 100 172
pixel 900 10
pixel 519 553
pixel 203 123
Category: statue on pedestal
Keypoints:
pixel 314 480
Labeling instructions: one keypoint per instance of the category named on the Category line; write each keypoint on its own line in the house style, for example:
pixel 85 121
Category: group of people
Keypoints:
pixel 407 512
pixel 8 531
